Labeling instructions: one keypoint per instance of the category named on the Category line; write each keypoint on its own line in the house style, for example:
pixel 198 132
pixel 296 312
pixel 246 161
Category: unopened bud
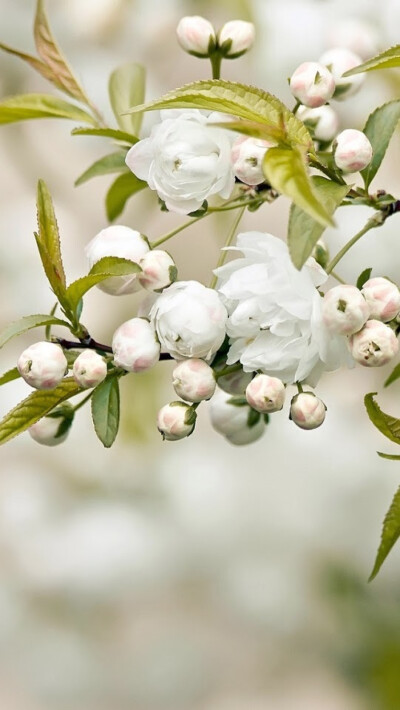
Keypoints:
pixel 89 369
pixel 355 35
pixel 352 151
pixel 266 394
pixel 158 270
pixel 323 120
pixel 247 159
pixel 247 435
pixel 54 428
pixel 339 61
pixel 176 420
pixel 43 365
pixel 344 310
pixel 135 345
pixel 121 241
pixel 307 410
pixel 196 35
pixel 374 345
pixel 235 38
pixel 194 380
pixel 234 419
pixel 235 382
pixel 383 298
pixel 312 84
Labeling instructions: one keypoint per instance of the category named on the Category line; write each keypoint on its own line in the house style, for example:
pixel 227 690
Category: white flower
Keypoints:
pixel 266 394
pixel 340 60
pixel 89 369
pixel 383 298
pixel 194 380
pixel 121 241
pixel 176 420
pixel 374 345
pixel 189 320
pixel 195 34
pixel 43 365
pixel 135 345
pixel 324 121
pixel 186 160
pixel 352 151
pixel 231 420
pixel 240 36
pixel 307 410
pixel 53 429
pixel 275 321
pixel 312 84
pixel 247 159
pixel 158 270
pixel 344 309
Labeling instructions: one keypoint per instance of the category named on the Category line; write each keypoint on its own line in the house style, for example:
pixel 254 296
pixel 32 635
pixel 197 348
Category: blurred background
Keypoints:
pixel 190 575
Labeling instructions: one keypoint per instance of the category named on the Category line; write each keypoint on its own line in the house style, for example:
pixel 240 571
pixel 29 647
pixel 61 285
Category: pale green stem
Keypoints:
pixel 228 242
pixel 299 387
pixel 337 277
pixel 83 401
pixel 375 221
pixel 216 61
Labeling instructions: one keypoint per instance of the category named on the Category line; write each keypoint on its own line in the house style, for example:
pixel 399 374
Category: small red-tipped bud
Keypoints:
pixel 312 84
pixel 266 394
pixel 176 420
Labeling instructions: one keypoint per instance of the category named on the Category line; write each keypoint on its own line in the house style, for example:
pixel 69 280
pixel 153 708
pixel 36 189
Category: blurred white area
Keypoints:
pixel 182 576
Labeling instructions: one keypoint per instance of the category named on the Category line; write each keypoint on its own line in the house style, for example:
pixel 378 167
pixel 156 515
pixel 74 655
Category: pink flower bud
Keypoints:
pixel 344 310
pixel 323 121
pixel 375 345
pixel 339 61
pixel 352 151
pixel 43 365
pixel 176 421
pixel 54 428
pixel 158 270
pixel 307 410
pixel 247 159
pixel 312 84
pixel 265 394
pixel 239 38
pixel 194 380
pixel 231 418
pixel 89 369
pixel 383 298
pixel 135 345
pixel 121 241
pixel 355 35
pixel 195 35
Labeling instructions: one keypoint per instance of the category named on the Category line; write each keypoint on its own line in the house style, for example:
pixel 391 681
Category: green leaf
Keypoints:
pixel 105 410
pixel 9 376
pixel 388 426
pixel 239 100
pixel 286 170
pixel 390 457
pixel 390 534
pixel 363 277
pixel 394 375
pixel 303 230
pixel 105 133
pixel 26 106
pixel 27 323
pixel 103 269
pixel 379 130
pixel 126 88
pixel 385 60
pixel 119 193
pixel 254 129
pixel 48 242
pixel 112 163
pixel 34 407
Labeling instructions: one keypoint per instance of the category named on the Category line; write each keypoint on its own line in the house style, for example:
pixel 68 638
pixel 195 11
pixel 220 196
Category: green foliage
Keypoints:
pixel 26 106
pixel 379 129
pixel 27 323
pixel 390 534
pixel 388 59
pixel 388 426
pixel 119 193
pixel 126 89
pixel 254 129
pixel 34 62
pixel 48 242
pixel 106 409
pixel 105 133
pixel 394 375
pixel 105 268
pixel 363 277
pixel 303 230
pixel 9 376
pixel 112 163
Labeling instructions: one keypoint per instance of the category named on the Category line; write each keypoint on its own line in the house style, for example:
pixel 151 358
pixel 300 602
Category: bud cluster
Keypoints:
pixel 197 36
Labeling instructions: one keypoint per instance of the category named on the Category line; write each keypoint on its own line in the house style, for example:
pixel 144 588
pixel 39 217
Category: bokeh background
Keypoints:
pixel 195 575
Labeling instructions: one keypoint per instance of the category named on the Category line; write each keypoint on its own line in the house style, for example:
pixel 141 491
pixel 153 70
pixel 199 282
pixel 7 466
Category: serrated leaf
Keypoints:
pixel 240 100
pixel 390 534
pixel 363 277
pixel 27 323
pixel 388 59
pixel 105 133
pixel 286 171
pixel 394 375
pixel 126 89
pixel 379 129
pixel 26 106
pixel 254 129
pixel 105 410
pixel 103 269
pixel 48 242
pixel 50 52
pixel 303 230
pixel 388 426
pixel 112 163
pixel 37 405
pixel 9 376
pixel 119 193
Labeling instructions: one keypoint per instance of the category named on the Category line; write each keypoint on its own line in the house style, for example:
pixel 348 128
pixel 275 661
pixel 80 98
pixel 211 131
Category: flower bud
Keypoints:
pixel 121 241
pixel 312 84
pixel 196 35
pixel 247 159
pixel 355 35
pixel 344 310
pixel 235 382
pixel 265 394
pixel 194 380
pixel 89 369
pixel 176 420
pixel 43 365
pixel 135 345
pixel 339 61
pixel 248 434
pixel 374 345
pixel 307 410
pixel 323 120
pixel 158 270
pixel 232 419
pixel 235 38
pixel 383 298
pixel 54 428
pixel 352 151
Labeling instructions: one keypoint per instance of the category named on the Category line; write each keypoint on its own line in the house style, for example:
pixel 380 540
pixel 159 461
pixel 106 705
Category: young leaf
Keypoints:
pixel 379 129
pixel 34 62
pixel 105 410
pixel 34 407
pixel 388 426
pixel 363 277
pixel 105 268
pixel 385 60
pixel 112 163
pixel 23 324
pixel 390 457
pixel 48 241
pixel 126 89
pixel 264 131
pixel 105 133
pixel 286 170
pixel 26 106
pixel 303 230
pixel 394 375
pixel 390 534
pixel 119 193
pixel 9 376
